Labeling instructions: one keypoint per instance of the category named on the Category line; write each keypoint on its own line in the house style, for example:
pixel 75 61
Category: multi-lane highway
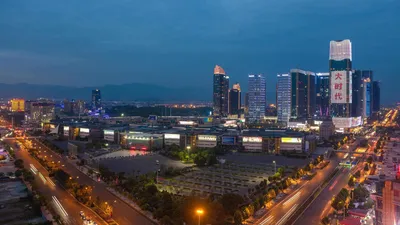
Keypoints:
pixel 123 214
pixel 66 206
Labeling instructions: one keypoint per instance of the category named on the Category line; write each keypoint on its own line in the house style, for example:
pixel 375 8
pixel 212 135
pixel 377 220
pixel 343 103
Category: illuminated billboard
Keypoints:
pixel 172 136
pixel 66 131
pixel 108 132
pixel 347 122
pixel 228 140
pixel 84 130
pixel 356 121
pixel 109 135
pixel 342 122
pixel 291 140
pixel 186 123
pixel 339 87
pixel 252 139
pixel 207 137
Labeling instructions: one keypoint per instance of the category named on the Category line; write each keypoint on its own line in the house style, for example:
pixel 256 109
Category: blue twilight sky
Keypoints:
pixel 178 42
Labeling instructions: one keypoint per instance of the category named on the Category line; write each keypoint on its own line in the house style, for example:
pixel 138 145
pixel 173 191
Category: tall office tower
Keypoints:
pixel 340 64
pixel 220 92
pixel 283 98
pixel 257 98
pixel 367 76
pixel 17 105
pixel 376 96
pixel 235 102
pixel 303 94
pixel 96 99
pixel 322 95
pixel 358 94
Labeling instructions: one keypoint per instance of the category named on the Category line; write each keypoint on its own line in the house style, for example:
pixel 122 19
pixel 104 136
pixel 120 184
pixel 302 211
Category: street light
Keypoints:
pixel 274 165
pixel 199 212
pixel 188 147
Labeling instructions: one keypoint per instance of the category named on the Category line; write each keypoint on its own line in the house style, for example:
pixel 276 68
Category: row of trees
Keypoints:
pixel 198 156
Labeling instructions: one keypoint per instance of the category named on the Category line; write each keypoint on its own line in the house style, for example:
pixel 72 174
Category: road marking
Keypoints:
pixel 60 206
pixel 268 219
pixel 33 168
pixel 287 215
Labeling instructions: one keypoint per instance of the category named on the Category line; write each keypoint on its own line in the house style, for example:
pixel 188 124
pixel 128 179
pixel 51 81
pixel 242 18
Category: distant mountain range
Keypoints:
pixel 124 92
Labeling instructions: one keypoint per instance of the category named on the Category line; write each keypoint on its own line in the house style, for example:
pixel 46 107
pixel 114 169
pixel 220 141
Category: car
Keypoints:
pixel 81 213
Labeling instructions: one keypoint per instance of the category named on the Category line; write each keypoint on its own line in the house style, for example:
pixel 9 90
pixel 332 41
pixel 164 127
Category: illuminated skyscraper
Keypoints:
pixel 257 98
pixel 322 95
pixel 376 96
pixel 340 67
pixel 303 94
pixel 220 92
pixel 96 99
pixel 17 105
pixel 235 102
pixel 283 98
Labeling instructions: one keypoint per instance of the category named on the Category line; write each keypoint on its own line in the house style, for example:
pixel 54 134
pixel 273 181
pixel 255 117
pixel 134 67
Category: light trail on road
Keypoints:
pixel 60 206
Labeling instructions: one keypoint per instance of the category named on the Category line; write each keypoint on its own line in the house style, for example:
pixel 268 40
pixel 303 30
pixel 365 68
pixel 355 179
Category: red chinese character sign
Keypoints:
pixel 338 87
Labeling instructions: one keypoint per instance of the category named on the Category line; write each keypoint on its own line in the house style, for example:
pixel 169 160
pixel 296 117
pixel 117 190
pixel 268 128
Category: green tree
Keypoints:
pixel 19 163
pixel 369 160
pixel 351 182
pixel 18 173
pixel 230 202
pixel 366 167
pixel 238 217
pixel 357 174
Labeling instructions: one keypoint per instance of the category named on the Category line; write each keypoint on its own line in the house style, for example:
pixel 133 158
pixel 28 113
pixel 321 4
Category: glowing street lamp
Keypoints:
pixel 199 212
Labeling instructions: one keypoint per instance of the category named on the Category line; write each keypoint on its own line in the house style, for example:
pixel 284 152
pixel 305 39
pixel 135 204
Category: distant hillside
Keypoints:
pixel 124 92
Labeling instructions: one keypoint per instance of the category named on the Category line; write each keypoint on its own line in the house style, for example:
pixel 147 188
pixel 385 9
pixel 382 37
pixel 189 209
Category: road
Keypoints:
pixel 281 212
pixel 320 207
pixel 49 188
pixel 123 214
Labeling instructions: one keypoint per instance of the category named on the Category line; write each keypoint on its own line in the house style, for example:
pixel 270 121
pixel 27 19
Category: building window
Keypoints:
pixel 396 193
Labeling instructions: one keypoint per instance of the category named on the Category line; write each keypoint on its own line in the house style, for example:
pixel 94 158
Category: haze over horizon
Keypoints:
pixel 177 44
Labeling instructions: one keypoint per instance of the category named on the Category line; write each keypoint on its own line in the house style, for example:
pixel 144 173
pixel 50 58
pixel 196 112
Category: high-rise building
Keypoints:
pixel 17 105
pixel 362 93
pixel 235 102
pixel 358 94
pixel 220 92
pixel 303 94
pixel 322 95
pixel 257 98
pixel 96 99
pixel 283 98
pixel 41 111
pixel 376 96
pixel 387 201
pixel 340 67
pixel 79 107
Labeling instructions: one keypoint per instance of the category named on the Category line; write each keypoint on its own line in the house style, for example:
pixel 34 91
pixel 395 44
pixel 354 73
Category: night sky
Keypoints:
pixel 177 43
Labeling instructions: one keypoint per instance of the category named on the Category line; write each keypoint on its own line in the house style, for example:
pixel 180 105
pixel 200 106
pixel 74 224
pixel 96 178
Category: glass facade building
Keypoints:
pixel 376 96
pixel 96 99
pixel 283 98
pixel 303 94
pixel 322 95
pixel 235 102
pixel 220 92
pixel 257 98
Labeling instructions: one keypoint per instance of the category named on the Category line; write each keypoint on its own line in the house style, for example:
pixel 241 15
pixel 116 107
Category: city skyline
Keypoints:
pixel 149 55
